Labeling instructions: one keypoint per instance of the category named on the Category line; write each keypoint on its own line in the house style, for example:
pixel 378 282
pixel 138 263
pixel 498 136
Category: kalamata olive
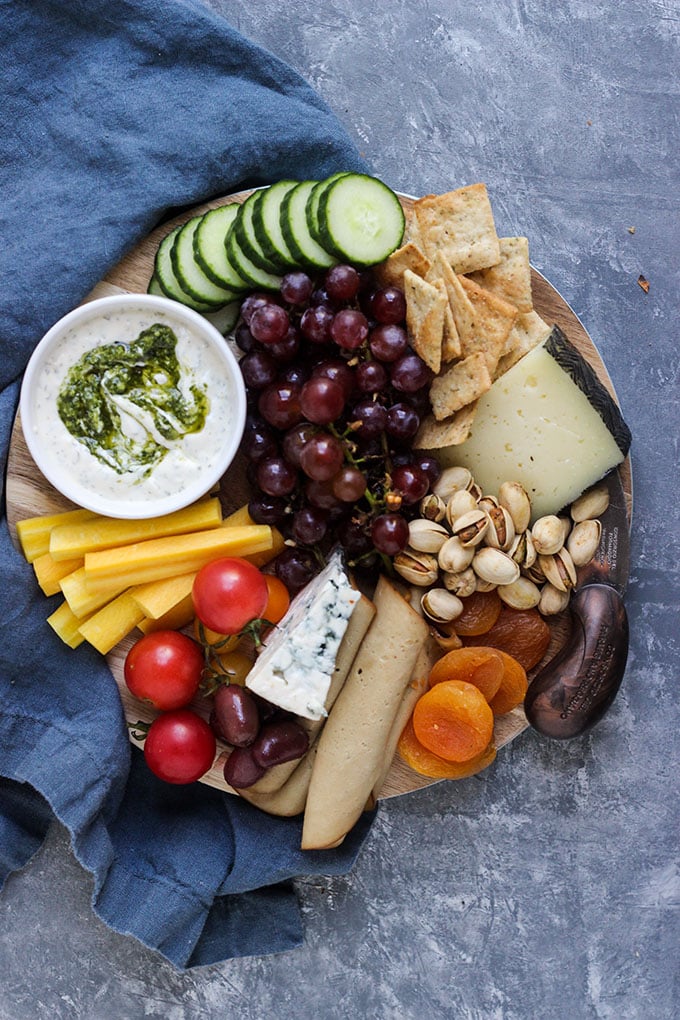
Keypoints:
pixel 241 770
pixel 278 742
pixel 235 715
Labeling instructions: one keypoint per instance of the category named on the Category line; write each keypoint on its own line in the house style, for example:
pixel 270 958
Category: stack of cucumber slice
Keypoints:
pixel 210 262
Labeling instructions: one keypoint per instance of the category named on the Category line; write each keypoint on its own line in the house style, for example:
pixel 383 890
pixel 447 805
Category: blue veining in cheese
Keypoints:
pixel 295 667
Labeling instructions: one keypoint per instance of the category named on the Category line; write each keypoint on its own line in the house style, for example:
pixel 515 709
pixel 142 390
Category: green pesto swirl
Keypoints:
pixel 138 379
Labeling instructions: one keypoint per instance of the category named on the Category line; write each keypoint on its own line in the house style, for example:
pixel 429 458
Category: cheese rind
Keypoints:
pixel 549 424
pixel 295 667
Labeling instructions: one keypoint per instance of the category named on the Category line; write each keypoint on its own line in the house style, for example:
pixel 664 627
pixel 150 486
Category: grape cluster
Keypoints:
pixel 336 395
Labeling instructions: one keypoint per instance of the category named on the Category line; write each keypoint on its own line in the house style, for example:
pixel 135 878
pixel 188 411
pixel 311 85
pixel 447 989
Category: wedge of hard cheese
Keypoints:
pixel 295 668
pixel 548 423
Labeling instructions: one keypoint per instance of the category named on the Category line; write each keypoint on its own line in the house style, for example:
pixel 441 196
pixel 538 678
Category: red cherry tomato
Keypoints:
pixel 180 746
pixel 164 668
pixel 228 593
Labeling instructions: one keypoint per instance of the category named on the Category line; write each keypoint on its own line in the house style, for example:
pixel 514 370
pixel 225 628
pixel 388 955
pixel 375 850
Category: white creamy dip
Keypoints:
pixel 192 457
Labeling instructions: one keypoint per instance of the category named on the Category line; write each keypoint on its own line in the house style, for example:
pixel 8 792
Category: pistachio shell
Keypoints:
pixel 440 605
pixel 521 594
pixel 426 536
pixel 548 535
pixel 432 507
pixel 485 586
pixel 552 600
pixel 487 503
pixel 419 568
pixel 583 541
pixel 462 583
pixel 454 556
pixel 559 569
pixel 592 503
pixel 471 528
pixel 495 566
pixel 523 550
pixel 461 502
pixel 566 523
pixel 501 531
pixel 514 498
pixel 451 479
pixel 447 642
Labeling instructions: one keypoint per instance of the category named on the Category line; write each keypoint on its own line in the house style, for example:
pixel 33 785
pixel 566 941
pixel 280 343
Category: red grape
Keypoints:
pixel 410 482
pixel 402 421
pixel 315 324
pixel 309 525
pixel 258 369
pixel 252 302
pixel 349 328
pixel 388 342
pixel 279 405
pixel 276 477
pixel 296 288
pixel 320 494
pixel 372 417
pixel 338 370
pixel 389 533
pixel 295 440
pixel 342 283
pixel 267 509
pixel 245 340
pixel 269 323
pixel 322 457
pixel 370 376
pixel 428 464
pixel 322 400
pixel 388 305
pixel 349 484
pixel 296 568
pixel 409 373
pixel 287 348
pixel 259 443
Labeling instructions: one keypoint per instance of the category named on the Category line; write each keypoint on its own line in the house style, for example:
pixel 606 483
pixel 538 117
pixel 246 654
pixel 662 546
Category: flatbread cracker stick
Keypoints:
pixel 350 757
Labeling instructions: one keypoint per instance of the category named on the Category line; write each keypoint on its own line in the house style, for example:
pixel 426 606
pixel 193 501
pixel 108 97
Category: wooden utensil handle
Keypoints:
pixel 577 687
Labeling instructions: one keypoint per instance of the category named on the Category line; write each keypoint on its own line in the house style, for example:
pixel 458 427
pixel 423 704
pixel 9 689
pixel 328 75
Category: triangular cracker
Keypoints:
pixel 494 318
pixel 409 256
pixel 462 312
pixel 451 348
pixel 434 435
pixel 425 307
pixel 459 385
pixel 511 278
pixel 528 332
pixel 460 225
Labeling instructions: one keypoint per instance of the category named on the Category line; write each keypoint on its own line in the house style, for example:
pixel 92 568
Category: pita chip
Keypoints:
pixel 528 332
pixel 462 312
pixel 459 385
pixel 434 435
pixel 425 308
pixel 391 272
pixel 511 278
pixel 460 225
pixel 493 320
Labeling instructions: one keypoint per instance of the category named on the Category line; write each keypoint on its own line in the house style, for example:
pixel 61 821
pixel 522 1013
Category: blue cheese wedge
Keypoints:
pixel 547 423
pixel 295 667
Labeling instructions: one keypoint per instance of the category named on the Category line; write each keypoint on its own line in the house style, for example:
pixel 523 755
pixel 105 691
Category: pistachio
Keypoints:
pixel 592 503
pixel 547 534
pixel 552 600
pixel 447 642
pixel 426 536
pixel 471 528
pixel 450 480
pixel 521 594
pixel 476 491
pixel 523 550
pixel 461 502
pixel 462 583
pixel 440 605
pixel 514 498
pixel 454 556
pixel 566 523
pixel 583 541
pixel 416 567
pixel 487 503
pixel 559 569
pixel 495 566
pixel 485 586
pixel 432 507
pixel 501 531
pixel 534 572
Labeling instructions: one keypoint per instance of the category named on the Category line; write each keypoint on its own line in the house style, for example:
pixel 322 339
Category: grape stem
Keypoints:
pixel 351 459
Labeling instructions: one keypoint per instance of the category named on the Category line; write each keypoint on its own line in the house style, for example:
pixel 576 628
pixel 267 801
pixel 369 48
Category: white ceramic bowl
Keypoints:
pixel 194 464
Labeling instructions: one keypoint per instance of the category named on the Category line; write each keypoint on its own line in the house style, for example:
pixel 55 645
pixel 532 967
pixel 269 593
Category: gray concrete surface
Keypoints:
pixel 548 887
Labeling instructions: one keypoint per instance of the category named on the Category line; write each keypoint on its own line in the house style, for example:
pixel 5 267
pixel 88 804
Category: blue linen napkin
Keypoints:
pixel 112 115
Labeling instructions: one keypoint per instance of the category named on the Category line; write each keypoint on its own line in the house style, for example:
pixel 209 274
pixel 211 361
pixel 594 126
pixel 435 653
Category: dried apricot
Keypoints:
pixel 482 667
pixel 522 633
pixel 425 763
pixel 513 686
pixel 480 612
pixel 453 720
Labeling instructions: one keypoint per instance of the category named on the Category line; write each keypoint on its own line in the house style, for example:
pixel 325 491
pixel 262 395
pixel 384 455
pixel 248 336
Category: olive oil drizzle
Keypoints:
pixel 142 379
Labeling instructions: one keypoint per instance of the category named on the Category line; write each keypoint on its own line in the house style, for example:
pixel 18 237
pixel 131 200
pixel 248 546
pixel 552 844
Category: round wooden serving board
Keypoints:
pixel 29 494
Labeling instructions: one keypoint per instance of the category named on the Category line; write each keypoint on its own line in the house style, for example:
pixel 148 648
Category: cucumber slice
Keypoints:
pixel 190 275
pixel 361 220
pixel 252 274
pixel 306 250
pixel 209 249
pixel 246 237
pixel 267 224
pixel 312 211
pixel 155 287
pixel 165 275
pixel 224 319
